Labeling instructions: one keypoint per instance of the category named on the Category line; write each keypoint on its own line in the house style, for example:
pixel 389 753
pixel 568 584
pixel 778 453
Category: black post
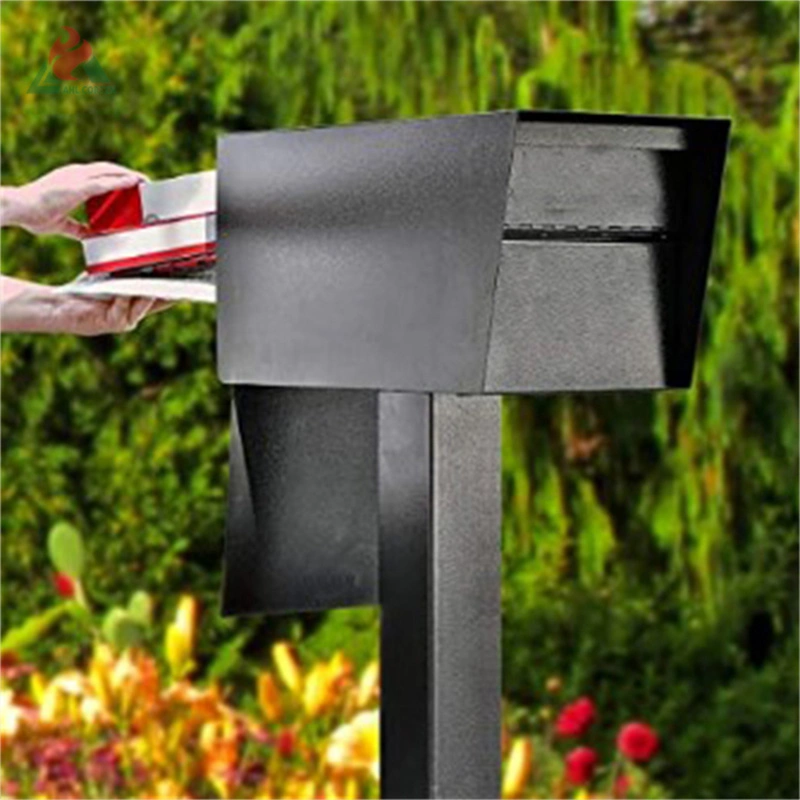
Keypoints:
pixel 439 584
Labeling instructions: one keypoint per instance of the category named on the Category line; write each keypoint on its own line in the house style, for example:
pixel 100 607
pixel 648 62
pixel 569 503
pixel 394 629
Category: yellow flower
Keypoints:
pixel 38 684
pixel 287 666
pixel 180 637
pixel 318 689
pixel 369 684
pixel 100 673
pixel 178 651
pixel 52 705
pixel 339 666
pixel 554 684
pixel 356 745
pixel 92 711
pixel 269 697
pixel 169 790
pixel 300 787
pixel 186 618
pixel 518 768
pixel 342 790
pixel 10 714
pixel 71 683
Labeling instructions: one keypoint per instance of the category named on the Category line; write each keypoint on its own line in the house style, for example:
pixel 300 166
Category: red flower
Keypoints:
pixel 622 785
pixel 580 763
pixel 285 742
pixel 637 741
pixel 65 586
pixel 576 718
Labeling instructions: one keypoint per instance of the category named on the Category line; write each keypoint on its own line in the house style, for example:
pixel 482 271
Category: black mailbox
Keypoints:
pixel 379 285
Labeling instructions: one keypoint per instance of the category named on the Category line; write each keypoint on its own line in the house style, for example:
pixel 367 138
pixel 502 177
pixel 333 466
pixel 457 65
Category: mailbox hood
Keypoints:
pixel 509 252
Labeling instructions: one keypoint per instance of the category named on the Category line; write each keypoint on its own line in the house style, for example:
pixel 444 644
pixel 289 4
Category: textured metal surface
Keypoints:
pixel 362 256
pixel 581 316
pixel 303 501
pixel 440 512
pixel 369 256
pixel 599 187
pixel 404 568
pixel 466 664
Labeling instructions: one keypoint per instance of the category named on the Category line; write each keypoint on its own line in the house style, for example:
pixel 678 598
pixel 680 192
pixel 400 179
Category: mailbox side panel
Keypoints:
pixel 363 256
pixel 572 316
pixel 302 529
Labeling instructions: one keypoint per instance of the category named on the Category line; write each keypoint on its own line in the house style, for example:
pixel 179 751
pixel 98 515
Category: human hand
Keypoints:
pixel 42 309
pixel 45 205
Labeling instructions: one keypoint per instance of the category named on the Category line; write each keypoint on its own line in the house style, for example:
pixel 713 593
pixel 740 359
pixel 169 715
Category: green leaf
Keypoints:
pixel 31 631
pixel 228 657
pixel 122 630
pixel 140 607
pixel 65 546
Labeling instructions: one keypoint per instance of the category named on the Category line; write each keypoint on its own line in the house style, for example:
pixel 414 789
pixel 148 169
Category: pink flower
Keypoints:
pixel 637 741
pixel 581 764
pixel 576 718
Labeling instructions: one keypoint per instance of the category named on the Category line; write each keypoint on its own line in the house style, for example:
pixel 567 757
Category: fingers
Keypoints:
pixel 96 316
pixel 104 183
pixel 71 228
pixel 133 310
pixel 108 169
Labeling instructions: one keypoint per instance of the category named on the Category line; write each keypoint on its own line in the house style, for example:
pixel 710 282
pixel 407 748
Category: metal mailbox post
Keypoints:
pixel 380 286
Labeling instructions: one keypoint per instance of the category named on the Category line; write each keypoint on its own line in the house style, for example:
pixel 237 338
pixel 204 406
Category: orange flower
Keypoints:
pixel 219 745
pixel 269 697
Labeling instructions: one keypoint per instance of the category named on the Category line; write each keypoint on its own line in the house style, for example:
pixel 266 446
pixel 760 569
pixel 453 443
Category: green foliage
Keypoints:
pixel 20 639
pixel 122 629
pixel 65 546
pixel 355 629
pixel 140 607
pixel 644 535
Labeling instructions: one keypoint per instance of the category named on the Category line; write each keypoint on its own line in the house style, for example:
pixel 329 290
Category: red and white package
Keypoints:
pixel 159 226
pixel 156 239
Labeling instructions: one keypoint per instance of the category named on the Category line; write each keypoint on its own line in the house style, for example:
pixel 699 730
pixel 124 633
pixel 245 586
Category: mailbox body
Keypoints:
pixel 495 253
pixel 514 252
